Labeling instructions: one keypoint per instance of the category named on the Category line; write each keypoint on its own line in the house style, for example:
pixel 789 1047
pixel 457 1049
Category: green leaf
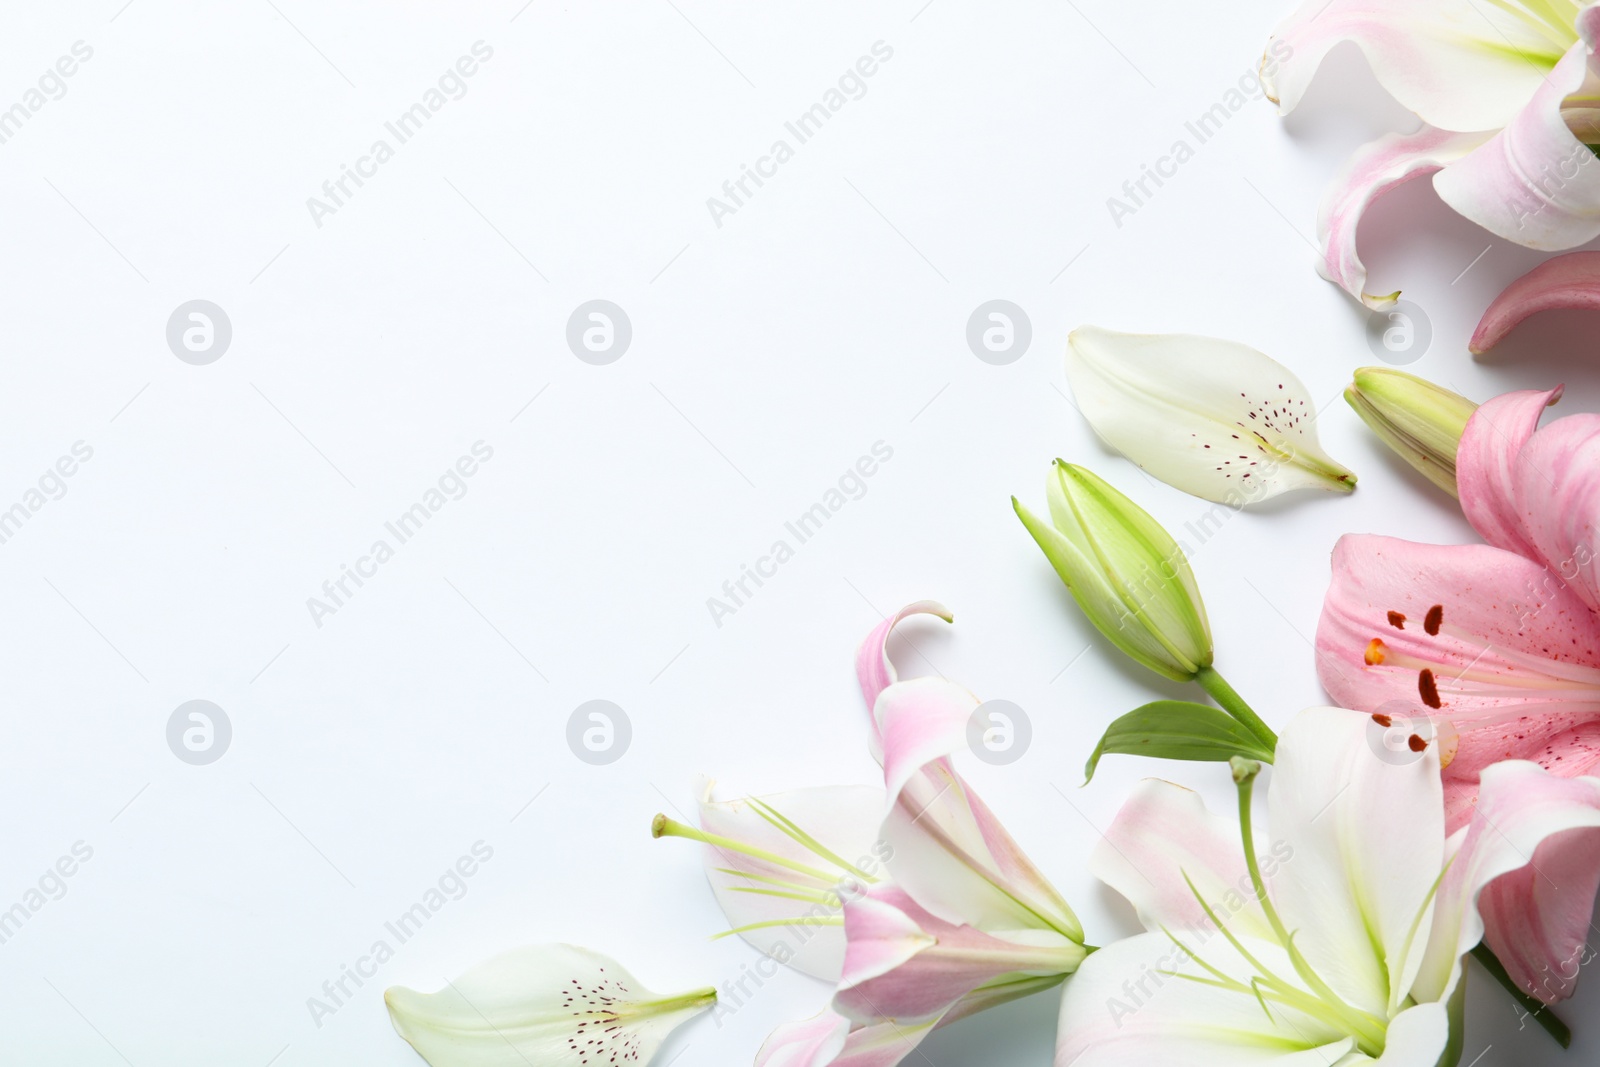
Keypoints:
pixel 1178 729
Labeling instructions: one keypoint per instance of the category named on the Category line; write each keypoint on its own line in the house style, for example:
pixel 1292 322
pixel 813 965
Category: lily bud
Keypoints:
pixel 1420 421
pixel 1126 572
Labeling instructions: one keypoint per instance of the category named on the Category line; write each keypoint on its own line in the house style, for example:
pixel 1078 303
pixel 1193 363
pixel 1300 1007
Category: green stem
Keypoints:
pixel 1369 1031
pixel 1225 695
pixel 1533 1006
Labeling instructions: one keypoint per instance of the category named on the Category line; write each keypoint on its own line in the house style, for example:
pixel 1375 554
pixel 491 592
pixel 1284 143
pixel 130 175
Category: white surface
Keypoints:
pixel 768 354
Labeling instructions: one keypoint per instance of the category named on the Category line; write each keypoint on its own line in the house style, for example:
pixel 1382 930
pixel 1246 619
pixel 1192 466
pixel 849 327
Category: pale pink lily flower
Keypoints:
pixel 1333 935
pixel 1569 282
pixel 1494 650
pixel 1509 98
pixel 913 899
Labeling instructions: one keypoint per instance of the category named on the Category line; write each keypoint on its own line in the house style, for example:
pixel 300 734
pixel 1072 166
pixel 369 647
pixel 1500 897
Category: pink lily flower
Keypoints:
pixel 1509 98
pixel 939 916
pixel 1495 650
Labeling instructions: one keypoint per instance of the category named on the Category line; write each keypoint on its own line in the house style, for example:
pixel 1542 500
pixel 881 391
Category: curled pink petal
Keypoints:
pixel 1571 281
pixel 1383 165
pixel 873 668
pixel 1487 465
pixel 1534 182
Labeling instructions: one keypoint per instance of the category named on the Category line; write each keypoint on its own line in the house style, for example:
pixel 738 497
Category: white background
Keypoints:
pixel 827 314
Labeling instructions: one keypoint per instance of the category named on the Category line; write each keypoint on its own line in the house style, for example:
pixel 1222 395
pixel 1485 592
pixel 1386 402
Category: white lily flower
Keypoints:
pixel 553 1005
pixel 1507 92
pixel 1339 942
pixel 1214 418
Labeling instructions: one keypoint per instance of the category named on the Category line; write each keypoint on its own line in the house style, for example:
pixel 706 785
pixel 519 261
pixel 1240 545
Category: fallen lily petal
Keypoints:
pixel 554 1005
pixel 1213 418
pixel 1571 281
pixel 1420 421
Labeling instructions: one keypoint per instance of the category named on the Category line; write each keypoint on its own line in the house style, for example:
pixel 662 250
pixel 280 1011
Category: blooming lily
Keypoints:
pixel 1341 941
pixel 1498 644
pixel 554 1005
pixel 1571 281
pixel 1213 418
pixel 926 909
pixel 1509 97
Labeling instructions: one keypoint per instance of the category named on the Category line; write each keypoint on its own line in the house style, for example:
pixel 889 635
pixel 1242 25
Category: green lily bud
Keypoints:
pixel 1126 572
pixel 1420 421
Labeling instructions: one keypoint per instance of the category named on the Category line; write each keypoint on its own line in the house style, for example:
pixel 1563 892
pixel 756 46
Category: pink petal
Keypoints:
pixel 1515 662
pixel 920 721
pixel 1534 182
pixel 1163 833
pixel 905 963
pixel 829 1040
pixel 1384 164
pixel 1571 281
pixel 1487 467
pixel 873 668
pixel 1524 813
pixel 812 1042
pixel 950 852
pixel 1537 919
pixel 1557 486
pixel 1458 66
